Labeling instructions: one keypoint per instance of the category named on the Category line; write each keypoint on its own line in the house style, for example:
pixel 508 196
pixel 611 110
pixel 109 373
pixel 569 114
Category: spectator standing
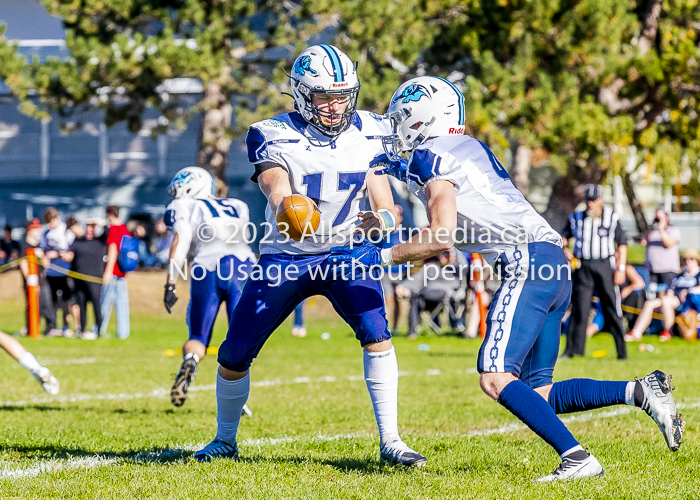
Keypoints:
pixel 596 232
pixel 162 243
pixel 46 310
pixel 87 255
pixel 74 227
pixel 114 287
pixel 55 241
pixel 662 254
pixel 9 248
pixel 298 325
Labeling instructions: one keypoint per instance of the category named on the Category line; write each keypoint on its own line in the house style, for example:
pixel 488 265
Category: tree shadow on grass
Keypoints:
pixel 35 407
pixel 369 465
pixel 168 456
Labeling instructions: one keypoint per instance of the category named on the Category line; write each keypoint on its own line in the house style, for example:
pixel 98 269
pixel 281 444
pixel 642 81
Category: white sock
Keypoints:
pixel 191 355
pixel 382 379
pixel 231 396
pixel 29 362
pixel 629 393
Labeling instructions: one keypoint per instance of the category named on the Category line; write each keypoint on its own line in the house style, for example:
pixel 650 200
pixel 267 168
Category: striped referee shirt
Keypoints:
pixel 595 237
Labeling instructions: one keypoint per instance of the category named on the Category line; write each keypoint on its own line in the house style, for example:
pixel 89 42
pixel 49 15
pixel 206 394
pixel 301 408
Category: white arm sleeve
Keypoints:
pixel 184 238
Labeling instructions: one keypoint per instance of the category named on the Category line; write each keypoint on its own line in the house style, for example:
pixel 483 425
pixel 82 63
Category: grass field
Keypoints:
pixel 112 432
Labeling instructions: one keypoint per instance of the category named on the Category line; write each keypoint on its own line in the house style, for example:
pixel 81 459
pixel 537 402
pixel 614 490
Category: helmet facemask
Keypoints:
pixel 315 116
pixel 407 134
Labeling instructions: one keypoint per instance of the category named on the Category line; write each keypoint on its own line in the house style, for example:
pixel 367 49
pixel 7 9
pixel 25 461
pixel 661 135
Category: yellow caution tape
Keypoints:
pixel 12 264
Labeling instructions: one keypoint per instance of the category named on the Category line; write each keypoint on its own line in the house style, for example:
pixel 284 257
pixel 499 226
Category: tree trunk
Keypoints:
pixel 522 163
pixel 562 201
pixel 214 144
pixel 609 95
pixel 567 193
pixel 636 207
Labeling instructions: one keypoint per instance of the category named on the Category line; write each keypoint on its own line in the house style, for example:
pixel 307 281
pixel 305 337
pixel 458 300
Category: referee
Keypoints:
pixel 596 232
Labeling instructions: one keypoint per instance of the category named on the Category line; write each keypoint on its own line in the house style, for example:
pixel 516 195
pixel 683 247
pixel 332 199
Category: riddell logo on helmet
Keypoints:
pixel 343 84
pixel 456 131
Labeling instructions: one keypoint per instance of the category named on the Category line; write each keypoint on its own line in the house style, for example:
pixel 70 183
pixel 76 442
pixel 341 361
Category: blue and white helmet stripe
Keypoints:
pixel 324 69
pixel 415 119
pixel 460 98
pixel 335 61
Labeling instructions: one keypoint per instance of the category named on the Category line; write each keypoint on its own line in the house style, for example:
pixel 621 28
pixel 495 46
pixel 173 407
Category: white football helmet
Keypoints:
pixel 324 69
pixel 192 182
pixel 423 107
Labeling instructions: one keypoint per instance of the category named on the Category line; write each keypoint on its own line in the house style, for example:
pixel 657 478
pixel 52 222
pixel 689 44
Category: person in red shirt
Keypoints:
pixel 114 287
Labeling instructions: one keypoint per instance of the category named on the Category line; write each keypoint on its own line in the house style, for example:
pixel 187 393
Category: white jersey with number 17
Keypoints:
pixel 329 171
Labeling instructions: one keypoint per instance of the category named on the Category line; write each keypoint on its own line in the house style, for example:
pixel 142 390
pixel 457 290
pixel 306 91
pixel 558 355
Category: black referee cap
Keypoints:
pixel 592 192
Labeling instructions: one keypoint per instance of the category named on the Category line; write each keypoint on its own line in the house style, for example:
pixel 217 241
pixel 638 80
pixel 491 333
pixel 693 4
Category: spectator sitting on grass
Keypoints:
pixel 684 289
pixel 689 284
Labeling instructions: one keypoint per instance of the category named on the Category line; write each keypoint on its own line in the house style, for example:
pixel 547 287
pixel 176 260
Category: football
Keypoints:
pixel 298 216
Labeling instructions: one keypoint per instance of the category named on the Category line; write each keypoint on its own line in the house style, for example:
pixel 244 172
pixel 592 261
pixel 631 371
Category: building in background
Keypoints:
pixel 93 166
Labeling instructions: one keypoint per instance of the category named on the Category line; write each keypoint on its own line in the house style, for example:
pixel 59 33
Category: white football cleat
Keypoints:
pixel 574 469
pixel 659 405
pixel 398 453
pixel 47 381
pixel 246 411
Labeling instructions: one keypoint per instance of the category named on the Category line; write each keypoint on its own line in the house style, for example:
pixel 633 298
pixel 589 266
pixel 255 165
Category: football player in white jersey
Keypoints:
pixel 27 360
pixel 473 204
pixel 323 151
pixel 218 228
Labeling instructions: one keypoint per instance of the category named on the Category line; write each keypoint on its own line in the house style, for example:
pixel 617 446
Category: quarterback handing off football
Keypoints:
pixel 298 216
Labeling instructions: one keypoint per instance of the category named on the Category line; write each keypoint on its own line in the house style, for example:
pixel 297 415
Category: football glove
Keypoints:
pixel 398 169
pixel 366 255
pixel 170 297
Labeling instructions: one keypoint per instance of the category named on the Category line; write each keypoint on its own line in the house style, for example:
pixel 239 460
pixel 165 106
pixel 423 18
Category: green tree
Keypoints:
pixel 582 81
pixel 122 51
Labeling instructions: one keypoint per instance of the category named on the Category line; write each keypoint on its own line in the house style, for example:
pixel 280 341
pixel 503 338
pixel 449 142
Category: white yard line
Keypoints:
pixel 49 466
pixel 55 466
pixel 162 393
pixel 69 361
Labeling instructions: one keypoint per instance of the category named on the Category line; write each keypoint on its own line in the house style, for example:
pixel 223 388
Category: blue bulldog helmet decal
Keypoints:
pixel 302 65
pixel 413 92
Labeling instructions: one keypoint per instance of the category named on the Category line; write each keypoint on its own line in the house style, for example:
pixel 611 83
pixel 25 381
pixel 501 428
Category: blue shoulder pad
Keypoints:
pixel 255 142
pixel 169 218
pixel 424 165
